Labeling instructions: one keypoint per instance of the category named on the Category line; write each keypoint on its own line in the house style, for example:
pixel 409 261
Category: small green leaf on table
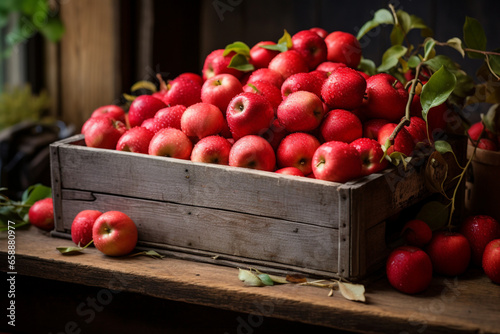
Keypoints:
pixel 150 253
pixel 75 250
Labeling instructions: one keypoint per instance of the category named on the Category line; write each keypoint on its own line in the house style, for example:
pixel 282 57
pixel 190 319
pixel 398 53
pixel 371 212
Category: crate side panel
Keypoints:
pixel 212 186
pixel 219 231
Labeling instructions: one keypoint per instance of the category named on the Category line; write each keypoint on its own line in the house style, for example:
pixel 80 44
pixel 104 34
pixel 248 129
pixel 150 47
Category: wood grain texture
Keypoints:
pixel 89 58
pixel 467 304
pixel 217 231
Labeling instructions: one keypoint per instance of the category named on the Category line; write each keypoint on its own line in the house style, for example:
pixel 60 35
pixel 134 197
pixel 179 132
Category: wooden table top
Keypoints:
pixel 465 304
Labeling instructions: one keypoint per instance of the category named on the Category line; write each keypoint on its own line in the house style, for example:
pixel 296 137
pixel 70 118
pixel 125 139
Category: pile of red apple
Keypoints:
pixel 302 109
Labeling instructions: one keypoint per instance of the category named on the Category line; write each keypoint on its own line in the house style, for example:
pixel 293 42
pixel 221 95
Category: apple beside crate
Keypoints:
pixel 237 216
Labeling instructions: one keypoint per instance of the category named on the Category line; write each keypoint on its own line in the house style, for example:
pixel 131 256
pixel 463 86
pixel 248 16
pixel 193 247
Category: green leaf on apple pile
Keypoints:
pixel 491 120
pixel 238 47
pixel 413 61
pixel 240 62
pixel 437 90
pixel 284 43
pixel 367 66
pixel 381 16
pixel 391 56
pixel 474 37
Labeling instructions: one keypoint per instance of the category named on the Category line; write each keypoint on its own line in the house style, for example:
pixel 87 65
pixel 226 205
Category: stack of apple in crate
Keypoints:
pixel 299 107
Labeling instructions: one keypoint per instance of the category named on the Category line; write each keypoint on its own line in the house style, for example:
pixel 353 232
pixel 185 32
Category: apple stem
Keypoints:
pixel 163 85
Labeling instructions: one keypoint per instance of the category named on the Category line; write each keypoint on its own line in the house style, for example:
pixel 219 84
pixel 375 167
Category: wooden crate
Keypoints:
pixel 237 216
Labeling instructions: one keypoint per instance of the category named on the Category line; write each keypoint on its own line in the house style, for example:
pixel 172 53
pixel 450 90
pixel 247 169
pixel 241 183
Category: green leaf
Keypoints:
pixel 287 39
pixel 437 90
pixel 255 89
pixel 73 250
pixel 265 279
pixel 350 291
pixel 413 61
pixel 442 146
pixel 35 193
pixel 143 84
pixel 391 57
pixel 238 47
pixel 150 253
pixel 240 62
pixel 278 279
pixel 367 66
pixel 381 16
pixel 492 119
pixel 418 23
pixel 401 30
pixel 438 61
pixel 495 63
pixel 53 29
pixel 474 37
pixel 428 47
pixel 281 47
pixel 435 214
pixel 456 43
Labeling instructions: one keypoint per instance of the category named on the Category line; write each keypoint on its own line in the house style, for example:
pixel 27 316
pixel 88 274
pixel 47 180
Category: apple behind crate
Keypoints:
pixel 237 216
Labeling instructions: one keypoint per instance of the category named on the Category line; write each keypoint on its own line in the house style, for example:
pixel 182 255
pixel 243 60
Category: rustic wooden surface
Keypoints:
pixel 465 304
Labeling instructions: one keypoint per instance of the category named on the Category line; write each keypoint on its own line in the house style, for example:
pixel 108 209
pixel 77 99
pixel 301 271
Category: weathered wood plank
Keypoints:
pixel 467 304
pixel 206 185
pixel 217 231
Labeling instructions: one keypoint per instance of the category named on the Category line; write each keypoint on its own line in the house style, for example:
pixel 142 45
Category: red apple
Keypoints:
pixel 275 134
pixel 202 120
pixel 341 125
pixel 41 214
pixel 135 140
pixel 480 230
pixel 311 46
pixel 387 97
pixel 297 150
pixel 252 152
pixel 81 228
pixel 336 161
pixel 191 76
pixel 171 142
pixel 491 260
pixel 301 111
pixel 417 130
pixel 169 117
pixel 449 252
pixel 183 91
pixel 114 233
pixel 344 89
pixel 266 89
pixel 103 132
pixel 212 149
pixel 409 269
pixel 403 142
pixel 248 114
pixel 142 108
pixel 288 63
pixel 216 63
pixel 320 31
pixel 487 144
pixel 112 111
pixel 220 89
pixel 343 48
pixel 371 154
pixel 260 57
pixel 268 75
pixel 417 233
pixel 329 66
pixel 290 171
pixel 309 82
pixel 372 127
